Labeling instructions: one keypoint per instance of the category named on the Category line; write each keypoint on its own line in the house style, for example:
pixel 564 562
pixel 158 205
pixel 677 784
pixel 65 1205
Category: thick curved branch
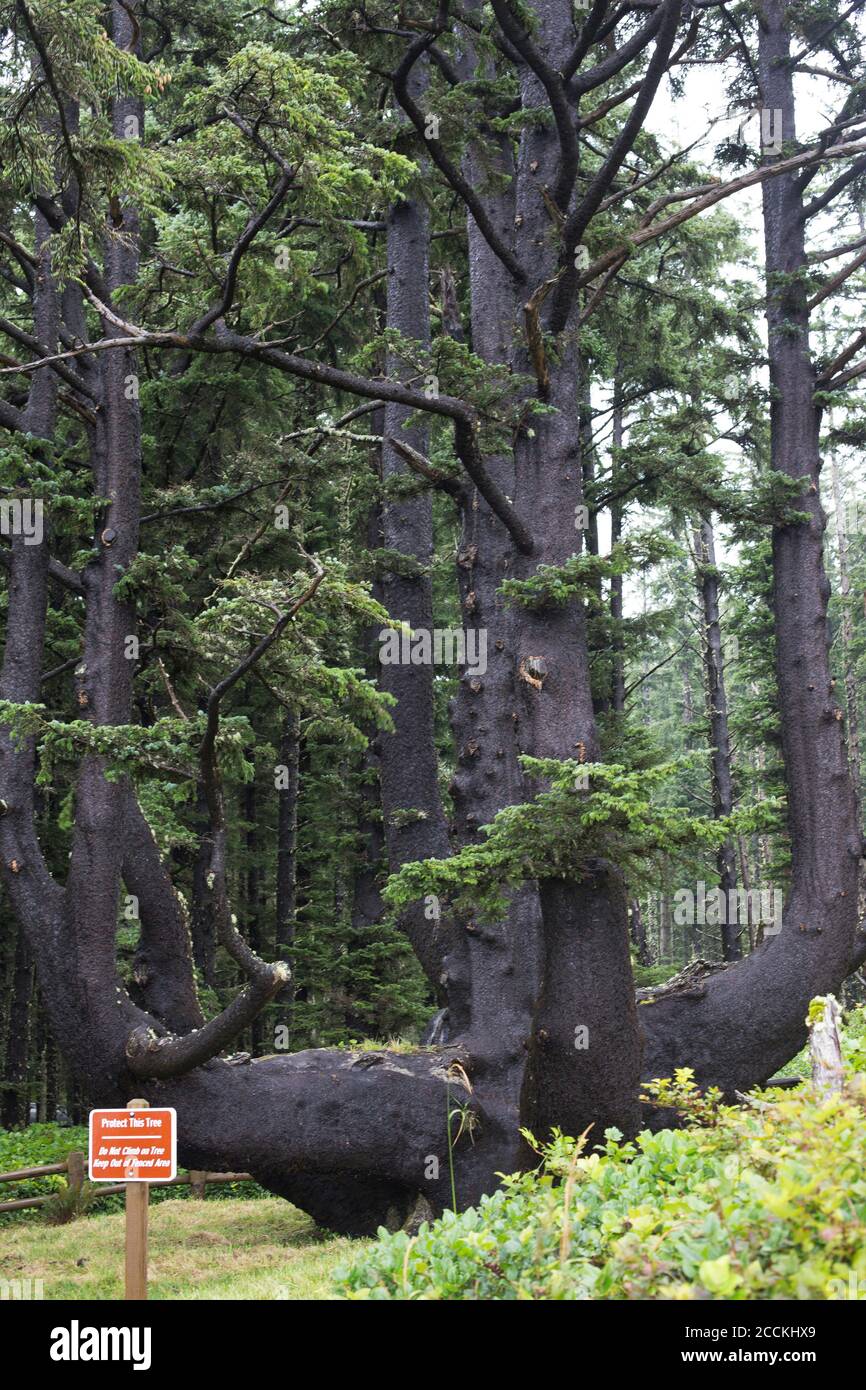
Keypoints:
pixel 625 94
pixel 422 466
pixel 26 260
pixel 586 38
pixel 149 1055
pixel 163 967
pixel 844 357
pixel 833 284
pixel 852 374
pixel 464 418
pixel 326 1112
pixel 60 573
pixel 819 257
pixel 11 418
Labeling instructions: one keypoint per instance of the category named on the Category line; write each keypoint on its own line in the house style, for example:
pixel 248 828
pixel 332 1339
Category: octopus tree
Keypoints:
pixel 350 1136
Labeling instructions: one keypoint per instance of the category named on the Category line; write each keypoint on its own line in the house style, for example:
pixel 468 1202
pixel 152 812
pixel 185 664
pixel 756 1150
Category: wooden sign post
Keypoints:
pixel 135 1146
pixel 137 1198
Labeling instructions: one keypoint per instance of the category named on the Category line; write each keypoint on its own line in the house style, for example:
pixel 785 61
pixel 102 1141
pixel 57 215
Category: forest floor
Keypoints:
pixel 264 1249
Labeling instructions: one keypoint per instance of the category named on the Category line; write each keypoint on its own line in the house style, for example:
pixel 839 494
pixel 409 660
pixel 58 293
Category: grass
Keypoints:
pixel 263 1249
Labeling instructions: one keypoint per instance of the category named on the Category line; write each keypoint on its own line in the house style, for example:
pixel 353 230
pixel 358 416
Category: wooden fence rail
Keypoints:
pixel 75 1168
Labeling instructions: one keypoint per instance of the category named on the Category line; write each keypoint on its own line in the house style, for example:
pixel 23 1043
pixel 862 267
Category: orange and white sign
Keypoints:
pixel 133 1145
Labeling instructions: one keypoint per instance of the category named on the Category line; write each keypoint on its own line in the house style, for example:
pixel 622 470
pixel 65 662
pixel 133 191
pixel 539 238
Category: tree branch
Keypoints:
pixel 425 468
pixel 586 209
pixel 149 1054
pixel 642 235
pixel 843 358
pixel 836 187
pixel 830 286
pixel 609 67
pixel 553 85
pixel 463 416
pixel 473 204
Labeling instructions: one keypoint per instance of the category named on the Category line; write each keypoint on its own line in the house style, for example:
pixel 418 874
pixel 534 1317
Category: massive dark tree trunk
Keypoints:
pixel 542 1026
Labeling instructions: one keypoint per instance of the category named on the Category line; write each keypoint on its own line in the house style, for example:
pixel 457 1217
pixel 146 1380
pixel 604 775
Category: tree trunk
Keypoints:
pixel 254 904
pixel 720 741
pixel 287 837
pixel 14 1095
pixel 768 993
pixel 414 820
pixel 849 666
pixel 616 581
pixel 201 918
pixel 639 934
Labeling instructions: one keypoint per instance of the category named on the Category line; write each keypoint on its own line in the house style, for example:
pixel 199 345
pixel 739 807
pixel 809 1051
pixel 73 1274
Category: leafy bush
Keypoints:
pixel 28 1148
pixel 766 1201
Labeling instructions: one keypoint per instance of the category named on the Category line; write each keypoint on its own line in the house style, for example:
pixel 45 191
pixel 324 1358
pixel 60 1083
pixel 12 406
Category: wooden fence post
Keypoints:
pixel 75 1172
pixel 198 1183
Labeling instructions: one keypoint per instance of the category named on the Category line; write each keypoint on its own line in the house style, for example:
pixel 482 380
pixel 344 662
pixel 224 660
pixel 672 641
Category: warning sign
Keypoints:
pixel 133 1145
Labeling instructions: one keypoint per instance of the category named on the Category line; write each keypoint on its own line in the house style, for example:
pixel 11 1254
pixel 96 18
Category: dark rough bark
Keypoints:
pixel 254 904
pixel 411 803
pixel 495 976
pixel 51 1069
pixel 584 1068
pixel 557 719
pixel 639 935
pixel 514 968
pixel 163 966
pixel 14 1097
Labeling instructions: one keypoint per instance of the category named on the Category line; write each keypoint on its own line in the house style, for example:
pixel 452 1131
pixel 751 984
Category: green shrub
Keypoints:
pixel 766 1201
pixel 28 1148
